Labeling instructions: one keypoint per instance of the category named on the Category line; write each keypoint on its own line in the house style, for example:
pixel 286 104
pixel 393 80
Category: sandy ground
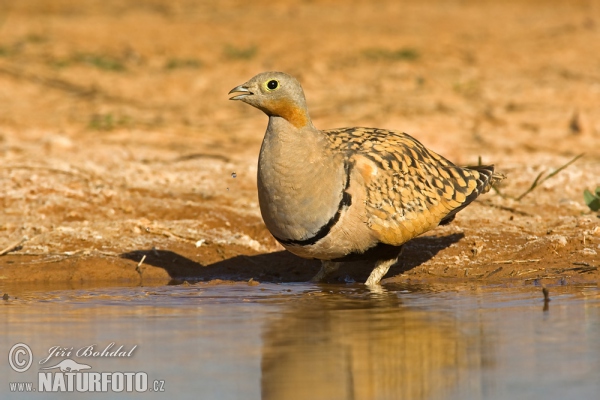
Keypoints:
pixel 117 139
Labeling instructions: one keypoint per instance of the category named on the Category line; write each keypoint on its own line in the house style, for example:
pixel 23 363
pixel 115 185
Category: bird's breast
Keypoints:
pixel 300 187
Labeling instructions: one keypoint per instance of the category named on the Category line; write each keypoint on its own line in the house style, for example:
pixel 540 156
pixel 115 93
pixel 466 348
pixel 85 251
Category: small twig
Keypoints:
pixel 187 158
pixel 529 271
pixel 159 230
pixel 538 180
pixel 14 245
pixel 581 263
pixel 582 270
pixel 516 261
pixel 47 261
pixel 141 262
pixel 106 253
pixel 139 269
pixel 201 155
pixel 494 272
pixel 542 277
pixel 585 270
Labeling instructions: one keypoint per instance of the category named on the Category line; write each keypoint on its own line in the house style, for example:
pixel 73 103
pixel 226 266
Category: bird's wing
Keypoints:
pixel 408 188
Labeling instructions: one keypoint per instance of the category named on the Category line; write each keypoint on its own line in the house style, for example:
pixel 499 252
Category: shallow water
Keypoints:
pixel 300 341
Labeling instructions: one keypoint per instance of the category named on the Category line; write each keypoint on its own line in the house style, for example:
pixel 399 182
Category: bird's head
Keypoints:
pixel 277 95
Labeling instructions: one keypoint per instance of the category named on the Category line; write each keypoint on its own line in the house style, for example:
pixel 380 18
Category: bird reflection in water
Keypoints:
pixel 365 346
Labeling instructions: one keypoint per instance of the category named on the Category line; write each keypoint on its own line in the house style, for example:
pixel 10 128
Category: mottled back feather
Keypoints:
pixel 410 189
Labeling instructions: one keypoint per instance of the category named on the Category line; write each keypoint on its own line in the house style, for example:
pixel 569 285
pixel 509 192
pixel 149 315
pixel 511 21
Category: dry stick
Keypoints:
pixel 529 271
pixel 583 263
pixel 582 270
pixel 159 230
pixel 516 261
pixel 542 277
pixel 14 245
pixel 139 269
pixel 538 181
pixel 141 261
pixel 200 155
pixel 495 271
pixel 46 261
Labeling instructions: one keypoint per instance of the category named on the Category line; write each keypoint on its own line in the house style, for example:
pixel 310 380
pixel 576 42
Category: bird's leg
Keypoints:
pixel 381 268
pixel 327 267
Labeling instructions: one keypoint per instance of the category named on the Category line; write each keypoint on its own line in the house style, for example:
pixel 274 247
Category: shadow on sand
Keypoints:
pixel 283 266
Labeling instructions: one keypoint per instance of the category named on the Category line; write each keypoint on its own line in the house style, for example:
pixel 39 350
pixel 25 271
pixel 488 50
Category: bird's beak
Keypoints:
pixel 244 92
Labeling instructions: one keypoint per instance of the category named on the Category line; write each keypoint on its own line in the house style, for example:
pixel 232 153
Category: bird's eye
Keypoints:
pixel 272 85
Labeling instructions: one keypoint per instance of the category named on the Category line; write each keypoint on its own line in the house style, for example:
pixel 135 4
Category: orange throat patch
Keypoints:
pixel 290 112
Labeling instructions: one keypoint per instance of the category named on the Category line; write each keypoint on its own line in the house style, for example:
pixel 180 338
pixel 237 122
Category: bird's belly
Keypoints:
pixel 297 218
pixel 294 207
pixel 349 235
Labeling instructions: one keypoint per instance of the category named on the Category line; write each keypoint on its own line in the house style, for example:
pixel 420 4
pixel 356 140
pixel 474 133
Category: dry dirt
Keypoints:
pixel 117 139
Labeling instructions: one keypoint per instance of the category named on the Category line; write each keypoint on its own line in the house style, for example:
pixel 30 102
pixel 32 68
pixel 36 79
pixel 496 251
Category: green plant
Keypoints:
pixel 541 178
pixel 592 199
pixel 35 38
pixel 403 54
pixel 100 61
pixel 177 63
pixel 240 53
pixel 108 122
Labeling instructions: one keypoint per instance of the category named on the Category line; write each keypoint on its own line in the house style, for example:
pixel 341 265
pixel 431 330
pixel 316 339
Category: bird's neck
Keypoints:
pixel 287 114
pixel 292 110
pixel 284 139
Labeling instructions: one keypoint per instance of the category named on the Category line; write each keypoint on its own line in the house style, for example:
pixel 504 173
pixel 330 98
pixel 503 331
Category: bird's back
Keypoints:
pixel 409 189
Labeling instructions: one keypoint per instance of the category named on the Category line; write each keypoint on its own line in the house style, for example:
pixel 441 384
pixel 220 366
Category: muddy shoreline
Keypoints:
pixel 117 139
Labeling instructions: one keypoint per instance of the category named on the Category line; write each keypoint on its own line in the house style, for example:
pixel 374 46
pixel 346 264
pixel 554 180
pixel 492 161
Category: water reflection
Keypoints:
pixel 233 341
pixel 341 346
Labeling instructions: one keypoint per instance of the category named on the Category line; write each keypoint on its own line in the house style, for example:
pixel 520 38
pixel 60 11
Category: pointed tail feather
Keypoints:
pixel 487 178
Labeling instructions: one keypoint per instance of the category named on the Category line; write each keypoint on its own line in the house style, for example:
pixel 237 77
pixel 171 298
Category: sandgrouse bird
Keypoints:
pixel 351 193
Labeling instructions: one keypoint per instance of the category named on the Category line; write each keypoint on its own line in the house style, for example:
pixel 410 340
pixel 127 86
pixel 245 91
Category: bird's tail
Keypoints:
pixel 487 177
pixel 485 180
